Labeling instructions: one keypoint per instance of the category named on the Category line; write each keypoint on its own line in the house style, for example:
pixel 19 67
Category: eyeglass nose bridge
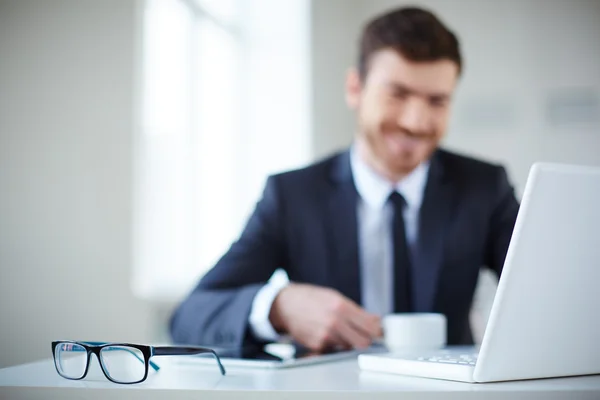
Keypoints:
pixel 89 353
pixel 97 368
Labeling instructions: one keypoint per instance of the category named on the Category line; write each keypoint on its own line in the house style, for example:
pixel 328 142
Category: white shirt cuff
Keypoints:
pixel 261 307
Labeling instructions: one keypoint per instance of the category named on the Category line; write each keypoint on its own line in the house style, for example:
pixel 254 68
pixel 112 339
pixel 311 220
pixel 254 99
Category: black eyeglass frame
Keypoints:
pixel 147 351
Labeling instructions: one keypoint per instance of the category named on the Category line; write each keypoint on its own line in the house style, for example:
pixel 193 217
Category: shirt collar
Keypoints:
pixel 375 189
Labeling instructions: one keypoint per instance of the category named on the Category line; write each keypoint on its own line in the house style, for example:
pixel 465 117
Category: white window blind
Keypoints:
pixel 224 104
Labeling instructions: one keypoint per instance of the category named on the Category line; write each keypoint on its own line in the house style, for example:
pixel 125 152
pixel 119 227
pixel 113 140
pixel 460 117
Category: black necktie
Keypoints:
pixel 402 286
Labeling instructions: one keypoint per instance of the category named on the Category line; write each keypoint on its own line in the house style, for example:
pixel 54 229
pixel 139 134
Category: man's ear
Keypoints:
pixel 353 88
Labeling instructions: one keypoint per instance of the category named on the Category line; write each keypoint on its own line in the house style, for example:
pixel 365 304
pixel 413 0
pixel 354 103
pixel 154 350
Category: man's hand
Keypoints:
pixel 321 318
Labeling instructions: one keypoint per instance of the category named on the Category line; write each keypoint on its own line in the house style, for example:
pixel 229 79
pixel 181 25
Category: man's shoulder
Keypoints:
pixel 317 171
pixel 467 166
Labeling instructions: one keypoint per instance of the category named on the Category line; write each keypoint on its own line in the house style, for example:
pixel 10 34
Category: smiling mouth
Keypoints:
pixel 402 143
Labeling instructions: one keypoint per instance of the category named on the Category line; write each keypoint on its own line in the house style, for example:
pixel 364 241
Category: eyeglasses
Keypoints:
pixel 120 362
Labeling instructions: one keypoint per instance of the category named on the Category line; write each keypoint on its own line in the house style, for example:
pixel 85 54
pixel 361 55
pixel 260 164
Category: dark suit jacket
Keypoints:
pixel 306 224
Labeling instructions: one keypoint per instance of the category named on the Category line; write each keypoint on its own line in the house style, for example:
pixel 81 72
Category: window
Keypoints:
pixel 215 95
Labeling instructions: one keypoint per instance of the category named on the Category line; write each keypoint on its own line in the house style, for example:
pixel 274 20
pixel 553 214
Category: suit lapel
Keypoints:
pixel 438 205
pixel 341 223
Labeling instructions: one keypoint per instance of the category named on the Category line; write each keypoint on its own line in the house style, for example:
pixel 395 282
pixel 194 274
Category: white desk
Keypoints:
pixel 337 380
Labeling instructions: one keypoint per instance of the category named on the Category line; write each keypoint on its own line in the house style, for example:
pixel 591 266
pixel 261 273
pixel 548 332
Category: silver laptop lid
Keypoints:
pixel 545 320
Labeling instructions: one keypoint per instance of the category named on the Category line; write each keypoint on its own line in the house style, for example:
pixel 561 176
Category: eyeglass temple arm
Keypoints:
pixel 152 364
pixel 187 350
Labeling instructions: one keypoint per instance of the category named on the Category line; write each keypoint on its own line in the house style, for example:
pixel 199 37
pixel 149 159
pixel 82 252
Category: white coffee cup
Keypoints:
pixel 414 331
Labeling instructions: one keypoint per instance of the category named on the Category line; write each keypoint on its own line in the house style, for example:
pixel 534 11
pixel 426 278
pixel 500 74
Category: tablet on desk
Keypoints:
pixel 274 355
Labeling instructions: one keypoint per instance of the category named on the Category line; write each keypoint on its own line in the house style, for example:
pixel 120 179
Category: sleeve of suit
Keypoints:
pixel 260 325
pixel 502 222
pixel 216 312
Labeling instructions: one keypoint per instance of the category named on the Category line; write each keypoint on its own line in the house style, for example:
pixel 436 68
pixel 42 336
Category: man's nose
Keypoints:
pixel 414 116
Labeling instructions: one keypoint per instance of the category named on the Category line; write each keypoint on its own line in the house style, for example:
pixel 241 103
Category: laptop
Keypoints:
pixel 545 319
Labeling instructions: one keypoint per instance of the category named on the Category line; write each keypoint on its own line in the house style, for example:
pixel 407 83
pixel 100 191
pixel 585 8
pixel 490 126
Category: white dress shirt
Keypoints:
pixel 374 217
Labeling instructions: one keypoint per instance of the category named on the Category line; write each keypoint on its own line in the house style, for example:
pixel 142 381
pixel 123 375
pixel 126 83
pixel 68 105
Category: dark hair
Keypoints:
pixel 415 33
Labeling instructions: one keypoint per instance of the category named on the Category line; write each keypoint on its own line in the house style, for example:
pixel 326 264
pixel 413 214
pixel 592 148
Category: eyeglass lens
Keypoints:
pixel 71 360
pixel 123 364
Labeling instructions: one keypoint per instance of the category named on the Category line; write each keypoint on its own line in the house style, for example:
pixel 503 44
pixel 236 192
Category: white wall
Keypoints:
pixel 335 28
pixel 276 84
pixel 66 123
pixel 518 54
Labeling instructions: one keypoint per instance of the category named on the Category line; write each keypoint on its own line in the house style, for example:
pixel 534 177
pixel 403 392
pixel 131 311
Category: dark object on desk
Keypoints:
pixel 274 356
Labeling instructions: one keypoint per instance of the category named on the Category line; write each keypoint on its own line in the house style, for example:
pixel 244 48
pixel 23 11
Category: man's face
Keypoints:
pixel 402 109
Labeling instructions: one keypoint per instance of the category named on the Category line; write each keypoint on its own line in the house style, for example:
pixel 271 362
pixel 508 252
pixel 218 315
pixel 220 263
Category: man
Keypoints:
pixel 395 224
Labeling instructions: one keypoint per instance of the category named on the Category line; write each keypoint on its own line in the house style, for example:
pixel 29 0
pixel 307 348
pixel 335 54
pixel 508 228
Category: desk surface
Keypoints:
pixel 335 380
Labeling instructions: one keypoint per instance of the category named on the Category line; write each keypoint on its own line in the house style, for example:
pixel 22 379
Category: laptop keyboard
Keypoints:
pixel 464 359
